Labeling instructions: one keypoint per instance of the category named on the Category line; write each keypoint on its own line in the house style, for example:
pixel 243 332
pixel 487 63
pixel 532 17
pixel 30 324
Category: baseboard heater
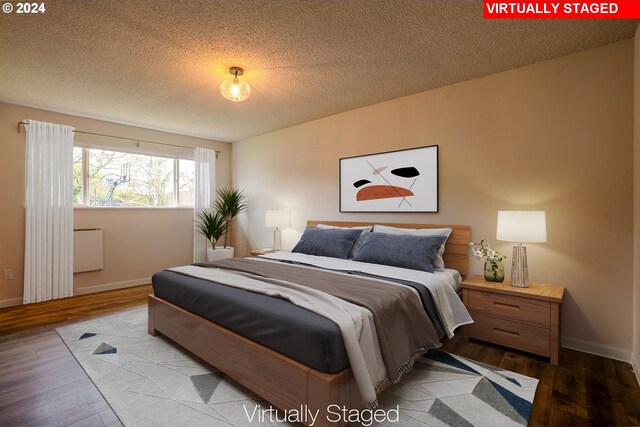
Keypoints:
pixel 87 249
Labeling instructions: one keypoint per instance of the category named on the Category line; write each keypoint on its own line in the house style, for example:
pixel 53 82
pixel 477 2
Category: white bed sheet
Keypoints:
pixel 453 278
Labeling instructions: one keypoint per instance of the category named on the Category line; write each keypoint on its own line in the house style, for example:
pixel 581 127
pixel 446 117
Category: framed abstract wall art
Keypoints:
pixel 395 181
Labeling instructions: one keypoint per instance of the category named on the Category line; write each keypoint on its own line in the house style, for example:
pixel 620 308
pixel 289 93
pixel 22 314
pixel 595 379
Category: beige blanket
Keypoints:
pixel 404 329
pixel 355 323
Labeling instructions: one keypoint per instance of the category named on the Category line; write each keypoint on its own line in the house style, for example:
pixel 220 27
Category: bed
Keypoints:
pixel 259 367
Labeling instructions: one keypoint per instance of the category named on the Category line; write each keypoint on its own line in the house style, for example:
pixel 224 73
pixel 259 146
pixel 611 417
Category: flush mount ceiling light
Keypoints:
pixel 234 89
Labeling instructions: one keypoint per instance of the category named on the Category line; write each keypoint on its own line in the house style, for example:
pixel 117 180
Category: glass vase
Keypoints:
pixel 493 271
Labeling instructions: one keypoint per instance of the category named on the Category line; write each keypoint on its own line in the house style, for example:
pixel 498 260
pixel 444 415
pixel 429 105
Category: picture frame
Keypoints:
pixel 392 181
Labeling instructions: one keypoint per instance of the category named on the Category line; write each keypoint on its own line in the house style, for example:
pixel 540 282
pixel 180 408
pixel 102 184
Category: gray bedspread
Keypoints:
pixel 277 324
pixel 403 327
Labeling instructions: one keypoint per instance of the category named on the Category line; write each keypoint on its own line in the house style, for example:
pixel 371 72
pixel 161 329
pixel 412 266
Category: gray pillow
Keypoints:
pixel 356 247
pixel 438 264
pixel 413 252
pixel 334 243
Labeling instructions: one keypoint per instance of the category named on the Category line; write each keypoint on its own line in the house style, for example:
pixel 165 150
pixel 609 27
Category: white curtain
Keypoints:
pixel 48 260
pixel 205 194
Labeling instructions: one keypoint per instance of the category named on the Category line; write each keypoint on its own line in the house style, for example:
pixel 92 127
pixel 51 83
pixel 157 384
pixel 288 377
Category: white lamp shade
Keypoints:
pixel 522 226
pixel 277 219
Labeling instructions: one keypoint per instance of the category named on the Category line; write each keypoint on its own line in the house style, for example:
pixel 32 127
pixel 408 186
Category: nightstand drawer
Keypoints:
pixel 515 308
pixel 517 335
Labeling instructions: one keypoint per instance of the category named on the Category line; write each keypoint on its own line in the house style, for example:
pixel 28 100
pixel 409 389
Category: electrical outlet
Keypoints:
pixel 8 273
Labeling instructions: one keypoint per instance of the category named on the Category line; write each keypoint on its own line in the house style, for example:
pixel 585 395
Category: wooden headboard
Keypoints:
pixel 456 250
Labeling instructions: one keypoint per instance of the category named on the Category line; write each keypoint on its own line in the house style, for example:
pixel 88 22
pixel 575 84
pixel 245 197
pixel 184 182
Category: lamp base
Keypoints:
pixel 519 271
pixel 276 246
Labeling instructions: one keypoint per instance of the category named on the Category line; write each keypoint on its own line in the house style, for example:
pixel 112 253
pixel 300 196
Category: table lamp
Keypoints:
pixel 277 220
pixel 521 227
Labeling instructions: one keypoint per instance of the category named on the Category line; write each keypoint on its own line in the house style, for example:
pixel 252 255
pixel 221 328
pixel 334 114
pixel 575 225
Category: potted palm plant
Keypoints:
pixel 216 223
pixel 213 226
pixel 230 203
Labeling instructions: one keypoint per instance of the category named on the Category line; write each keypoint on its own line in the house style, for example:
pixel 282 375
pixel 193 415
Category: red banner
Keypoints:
pixel 542 9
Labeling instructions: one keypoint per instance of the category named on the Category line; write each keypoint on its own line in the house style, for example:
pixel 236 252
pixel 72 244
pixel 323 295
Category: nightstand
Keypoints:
pixel 526 319
pixel 256 252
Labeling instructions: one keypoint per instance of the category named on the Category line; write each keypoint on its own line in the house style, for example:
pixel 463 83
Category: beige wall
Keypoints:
pixel 636 181
pixel 137 242
pixel 554 136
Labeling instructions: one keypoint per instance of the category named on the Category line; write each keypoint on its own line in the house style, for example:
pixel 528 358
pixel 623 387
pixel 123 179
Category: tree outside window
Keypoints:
pixel 132 180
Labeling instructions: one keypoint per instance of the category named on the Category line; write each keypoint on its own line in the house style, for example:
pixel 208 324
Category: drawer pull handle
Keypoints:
pixel 502 331
pixel 501 304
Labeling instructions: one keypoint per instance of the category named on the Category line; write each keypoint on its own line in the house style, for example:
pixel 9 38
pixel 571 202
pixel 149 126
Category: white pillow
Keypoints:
pixel 438 264
pixel 356 246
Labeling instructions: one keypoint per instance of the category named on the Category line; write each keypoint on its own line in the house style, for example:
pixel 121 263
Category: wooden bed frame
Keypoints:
pixel 283 382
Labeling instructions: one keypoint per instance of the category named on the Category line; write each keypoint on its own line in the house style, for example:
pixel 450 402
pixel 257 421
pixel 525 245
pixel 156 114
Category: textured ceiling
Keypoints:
pixel 159 63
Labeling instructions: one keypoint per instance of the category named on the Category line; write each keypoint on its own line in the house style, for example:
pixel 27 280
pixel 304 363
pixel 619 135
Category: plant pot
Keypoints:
pixel 494 271
pixel 218 254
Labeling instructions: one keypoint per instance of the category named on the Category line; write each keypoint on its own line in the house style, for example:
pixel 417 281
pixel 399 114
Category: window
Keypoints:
pixel 114 178
pixel 186 179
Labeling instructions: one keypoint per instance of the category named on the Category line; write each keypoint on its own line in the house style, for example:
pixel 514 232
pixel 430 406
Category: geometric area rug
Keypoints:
pixel 150 381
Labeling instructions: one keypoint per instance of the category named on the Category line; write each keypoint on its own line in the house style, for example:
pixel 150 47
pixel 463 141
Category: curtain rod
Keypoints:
pixel 122 137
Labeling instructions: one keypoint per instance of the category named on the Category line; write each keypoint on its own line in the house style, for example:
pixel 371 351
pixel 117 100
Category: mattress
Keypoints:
pixel 290 330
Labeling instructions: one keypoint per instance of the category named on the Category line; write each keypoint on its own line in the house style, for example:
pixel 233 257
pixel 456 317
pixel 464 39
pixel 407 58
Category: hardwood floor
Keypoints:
pixel 583 390
pixel 57 312
pixel 41 383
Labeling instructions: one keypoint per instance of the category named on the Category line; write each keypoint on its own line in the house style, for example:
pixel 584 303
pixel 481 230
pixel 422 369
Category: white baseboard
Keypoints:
pixel 598 349
pixel 635 364
pixel 10 302
pixel 112 286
